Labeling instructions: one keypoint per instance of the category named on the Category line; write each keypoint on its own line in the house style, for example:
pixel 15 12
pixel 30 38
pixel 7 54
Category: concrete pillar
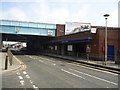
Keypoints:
pixel 0 41
pixel 29 45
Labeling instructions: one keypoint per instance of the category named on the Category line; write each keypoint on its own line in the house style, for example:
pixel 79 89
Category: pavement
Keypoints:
pixel 15 64
pixel 109 64
pixel 47 72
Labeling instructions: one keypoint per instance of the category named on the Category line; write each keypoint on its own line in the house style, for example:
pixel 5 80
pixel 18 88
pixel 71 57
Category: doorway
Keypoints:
pixel 111 52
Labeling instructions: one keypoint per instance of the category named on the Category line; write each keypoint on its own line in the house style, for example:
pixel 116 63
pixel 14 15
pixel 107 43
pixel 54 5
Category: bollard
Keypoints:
pixel 6 62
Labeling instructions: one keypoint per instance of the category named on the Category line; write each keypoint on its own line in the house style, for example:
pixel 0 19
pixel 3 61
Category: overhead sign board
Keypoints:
pixel 75 27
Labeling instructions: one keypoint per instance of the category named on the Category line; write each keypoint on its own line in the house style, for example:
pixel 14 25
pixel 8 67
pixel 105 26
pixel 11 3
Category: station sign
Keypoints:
pixel 50 32
pixel 93 30
pixel 75 27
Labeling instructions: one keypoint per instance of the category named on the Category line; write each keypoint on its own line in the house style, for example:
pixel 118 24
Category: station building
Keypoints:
pixel 82 43
pixel 52 38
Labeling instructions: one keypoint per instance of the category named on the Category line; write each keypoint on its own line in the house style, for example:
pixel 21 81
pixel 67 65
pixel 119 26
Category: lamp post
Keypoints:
pixel 106 16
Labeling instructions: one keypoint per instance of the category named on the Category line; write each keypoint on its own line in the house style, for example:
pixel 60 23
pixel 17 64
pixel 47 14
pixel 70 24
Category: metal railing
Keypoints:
pixel 10 55
pixel 90 57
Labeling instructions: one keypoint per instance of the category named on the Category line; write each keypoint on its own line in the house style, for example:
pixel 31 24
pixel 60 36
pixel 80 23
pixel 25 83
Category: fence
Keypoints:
pixel 91 56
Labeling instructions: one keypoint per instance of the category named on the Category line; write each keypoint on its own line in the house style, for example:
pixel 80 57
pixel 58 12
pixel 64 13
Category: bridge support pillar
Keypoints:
pixel 0 41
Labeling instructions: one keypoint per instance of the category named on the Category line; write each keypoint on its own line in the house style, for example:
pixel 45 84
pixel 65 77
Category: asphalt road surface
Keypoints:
pixel 47 72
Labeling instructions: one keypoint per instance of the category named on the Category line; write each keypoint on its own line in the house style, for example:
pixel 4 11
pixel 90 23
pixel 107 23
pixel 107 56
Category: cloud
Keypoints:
pixel 113 18
pixel 64 1
pixel 44 11
pixel 82 14
pixel 80 1
pixel 14 14
pixel 59 16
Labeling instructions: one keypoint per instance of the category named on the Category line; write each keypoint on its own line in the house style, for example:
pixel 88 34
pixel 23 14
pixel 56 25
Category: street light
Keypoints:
pixel 106 16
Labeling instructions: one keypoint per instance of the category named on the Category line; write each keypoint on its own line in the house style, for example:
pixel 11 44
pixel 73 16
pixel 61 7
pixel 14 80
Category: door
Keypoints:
pixel 110 52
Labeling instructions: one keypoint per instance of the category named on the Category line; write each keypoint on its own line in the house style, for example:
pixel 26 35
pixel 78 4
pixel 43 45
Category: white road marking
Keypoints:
pixel 72 73
pixel 94 77
pixel 22 82
pixel 18 73
pixel 31 81
pixel 31 57
pixel 44 59
pixel 47 62
pixel 24 72
pixel 20 77
pixel 40 61
pixel 35 87
pixel 26 55
pixel 27 76
pixel 52 63
pixel 47 59
pixel 77 64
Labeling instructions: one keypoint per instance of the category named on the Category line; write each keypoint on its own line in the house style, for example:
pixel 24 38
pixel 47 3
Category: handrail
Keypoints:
pixel 10 55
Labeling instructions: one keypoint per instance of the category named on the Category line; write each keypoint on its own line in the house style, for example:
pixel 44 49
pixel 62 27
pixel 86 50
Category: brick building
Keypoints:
pixel 76 44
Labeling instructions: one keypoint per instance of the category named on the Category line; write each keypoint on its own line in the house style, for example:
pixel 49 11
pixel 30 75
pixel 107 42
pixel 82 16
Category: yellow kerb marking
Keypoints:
pixel 23 66
pixel 93 69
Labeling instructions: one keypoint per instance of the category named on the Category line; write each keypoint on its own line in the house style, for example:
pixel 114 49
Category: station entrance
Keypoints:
pixel 80 49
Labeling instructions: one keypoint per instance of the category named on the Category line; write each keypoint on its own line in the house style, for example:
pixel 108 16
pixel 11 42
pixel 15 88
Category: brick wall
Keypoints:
pixel 60 30
pixel 112 40
pixel 98 40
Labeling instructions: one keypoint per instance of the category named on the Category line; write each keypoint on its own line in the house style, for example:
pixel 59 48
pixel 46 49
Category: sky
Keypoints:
pixel 61 11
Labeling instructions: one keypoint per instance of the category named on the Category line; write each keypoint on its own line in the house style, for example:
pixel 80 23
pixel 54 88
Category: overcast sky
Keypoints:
pixel 61 11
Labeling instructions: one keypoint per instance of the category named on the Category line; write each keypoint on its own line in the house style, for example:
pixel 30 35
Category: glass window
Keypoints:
pixel 33 31
pixel 50 26
pixel 0 22
pixel 33 25
pixel 7 29
pixel 24 24
pixel 6 22
pixel 0 29
pixel 13 23
pixel 28 31
pixel 47 26
pixel 41 25
pixel 44 32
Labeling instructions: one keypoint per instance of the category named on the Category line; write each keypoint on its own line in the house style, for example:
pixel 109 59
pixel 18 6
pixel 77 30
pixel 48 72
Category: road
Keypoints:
pixel 47 72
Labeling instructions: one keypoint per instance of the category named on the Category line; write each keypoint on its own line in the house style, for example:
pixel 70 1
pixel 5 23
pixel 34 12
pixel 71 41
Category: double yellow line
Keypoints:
pixel 22 65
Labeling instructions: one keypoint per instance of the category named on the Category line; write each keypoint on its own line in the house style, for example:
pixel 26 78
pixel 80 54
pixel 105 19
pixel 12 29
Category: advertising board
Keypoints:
pixel 75 27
